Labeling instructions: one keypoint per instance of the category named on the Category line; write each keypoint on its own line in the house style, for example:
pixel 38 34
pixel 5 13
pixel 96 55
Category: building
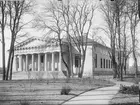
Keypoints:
pixel 36 54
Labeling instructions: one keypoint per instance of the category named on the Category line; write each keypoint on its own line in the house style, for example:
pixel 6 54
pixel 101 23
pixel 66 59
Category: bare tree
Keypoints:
pixel 16 11
pixel 132 13
pixel 126 45
pixel 82 15
pixel 116 20
pixel 110 29
pixel 52 19
pixel 2 25
pixel 66 10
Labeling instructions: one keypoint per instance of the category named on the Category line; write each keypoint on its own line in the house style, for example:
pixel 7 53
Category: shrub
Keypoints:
pixel 67 80
pixel 65 90
pixel 134 89
pixel 39 75
pixel 25 102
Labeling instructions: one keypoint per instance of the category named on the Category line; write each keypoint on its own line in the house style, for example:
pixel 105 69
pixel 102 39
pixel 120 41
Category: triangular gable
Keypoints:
pixel 32 42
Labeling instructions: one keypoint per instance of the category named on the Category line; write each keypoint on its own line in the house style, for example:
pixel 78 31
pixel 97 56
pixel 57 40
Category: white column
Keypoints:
pixel 26 63
pixel 60 62
pixel 45 63
pixel 33 62
pixel 52 61
pixel 39 63
pixel 20 62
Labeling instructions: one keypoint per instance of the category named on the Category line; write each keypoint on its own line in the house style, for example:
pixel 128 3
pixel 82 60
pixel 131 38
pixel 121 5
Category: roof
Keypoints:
pixel 89 41
pixel 40 42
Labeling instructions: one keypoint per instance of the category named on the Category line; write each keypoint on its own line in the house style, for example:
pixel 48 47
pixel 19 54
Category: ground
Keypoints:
pixel 45 92
pixel 127 99
pixel 124 99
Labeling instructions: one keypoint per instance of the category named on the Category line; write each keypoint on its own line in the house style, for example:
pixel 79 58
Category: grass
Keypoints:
pixel 42 92
pixel 126 99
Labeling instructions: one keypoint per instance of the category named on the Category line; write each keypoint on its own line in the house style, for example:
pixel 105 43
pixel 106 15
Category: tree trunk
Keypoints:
pixel 82 65
pixel 70 59
pixel 2 23
pixel 125 66
pixel 8 64
pixel 3 55
pixel 62 57
pixel 135 65
pixel 10 58
pixel 11 67
pixel 93 60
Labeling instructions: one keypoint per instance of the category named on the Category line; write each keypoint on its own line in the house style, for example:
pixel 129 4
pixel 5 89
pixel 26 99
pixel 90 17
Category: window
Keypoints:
pixel 96 61
pixel 77 61
pixel 104 63
pixel 101 63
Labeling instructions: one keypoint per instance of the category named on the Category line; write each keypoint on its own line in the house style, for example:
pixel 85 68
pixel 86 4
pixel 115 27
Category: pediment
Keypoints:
pixel 34 42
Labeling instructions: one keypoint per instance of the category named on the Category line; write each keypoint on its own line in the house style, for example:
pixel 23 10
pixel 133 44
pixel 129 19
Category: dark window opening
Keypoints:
pixel 42 59
pixel 104 63
pixel 96 61
pixel 77 61
pixel 101 62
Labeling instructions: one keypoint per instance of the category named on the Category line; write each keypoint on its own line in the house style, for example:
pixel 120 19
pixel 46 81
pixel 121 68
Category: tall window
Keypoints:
pixel 101 63
pixel 104 63
pixel 96 61
pixel 77 61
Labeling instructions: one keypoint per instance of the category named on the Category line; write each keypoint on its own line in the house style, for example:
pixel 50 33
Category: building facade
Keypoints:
pixel 36 54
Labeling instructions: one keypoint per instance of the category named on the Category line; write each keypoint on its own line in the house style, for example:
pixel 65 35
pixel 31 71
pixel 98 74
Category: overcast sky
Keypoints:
pixel 98 22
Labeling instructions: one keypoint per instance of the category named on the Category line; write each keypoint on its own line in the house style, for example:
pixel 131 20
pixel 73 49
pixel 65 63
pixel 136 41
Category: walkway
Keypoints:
pixel 101 96
pixel 94 97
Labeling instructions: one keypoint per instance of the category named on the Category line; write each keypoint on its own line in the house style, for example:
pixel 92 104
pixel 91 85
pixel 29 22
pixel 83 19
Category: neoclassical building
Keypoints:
pixel 37 54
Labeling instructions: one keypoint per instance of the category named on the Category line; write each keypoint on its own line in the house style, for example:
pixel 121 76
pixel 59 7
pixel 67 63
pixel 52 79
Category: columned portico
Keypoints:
pixel 39 63
pixel 35 61
pixel 38 55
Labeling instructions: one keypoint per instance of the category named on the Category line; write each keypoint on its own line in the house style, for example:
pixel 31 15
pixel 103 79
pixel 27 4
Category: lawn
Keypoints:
pixel 45 92
pixel 126 99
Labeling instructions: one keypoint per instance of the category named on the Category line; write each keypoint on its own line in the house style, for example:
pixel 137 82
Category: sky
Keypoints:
pixel 97 21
